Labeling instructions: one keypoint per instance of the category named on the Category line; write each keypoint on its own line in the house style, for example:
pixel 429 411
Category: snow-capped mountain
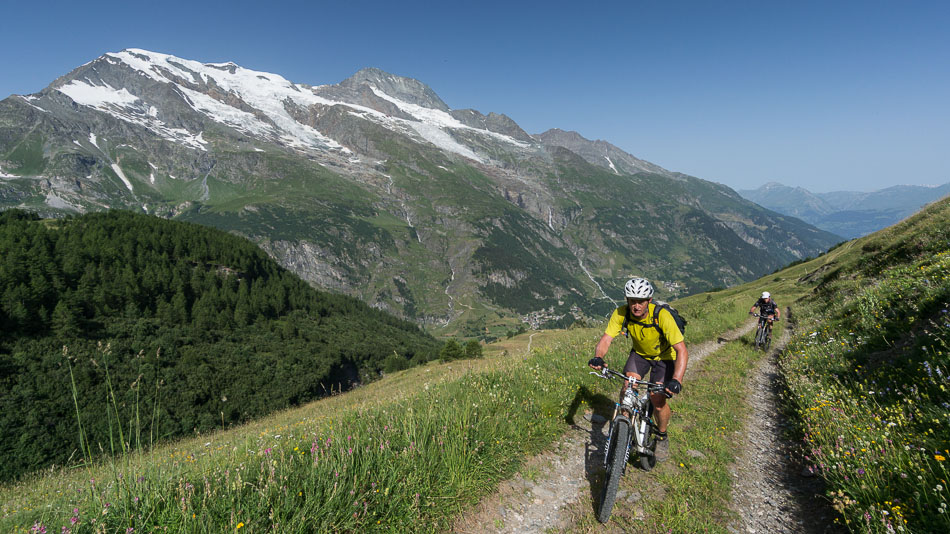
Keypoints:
pixel 375 187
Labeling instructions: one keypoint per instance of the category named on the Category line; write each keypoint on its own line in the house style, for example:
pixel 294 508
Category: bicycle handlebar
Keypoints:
pixel 606 373
pixel 766 316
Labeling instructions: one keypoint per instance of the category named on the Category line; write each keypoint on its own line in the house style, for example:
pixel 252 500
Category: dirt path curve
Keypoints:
pixel 541 499
pixel 773 493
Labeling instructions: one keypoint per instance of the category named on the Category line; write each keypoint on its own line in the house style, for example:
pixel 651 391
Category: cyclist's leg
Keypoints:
pixel 662 373
pixel 636 367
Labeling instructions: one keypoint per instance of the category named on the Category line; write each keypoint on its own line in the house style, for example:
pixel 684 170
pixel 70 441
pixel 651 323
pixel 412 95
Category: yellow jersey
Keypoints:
pixel 646 339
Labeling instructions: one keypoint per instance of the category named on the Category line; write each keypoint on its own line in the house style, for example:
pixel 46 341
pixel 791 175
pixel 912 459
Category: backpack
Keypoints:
pixel 657 305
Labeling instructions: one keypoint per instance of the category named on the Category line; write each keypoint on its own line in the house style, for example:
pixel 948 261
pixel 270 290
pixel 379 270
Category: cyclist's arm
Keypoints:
pixel 682 357
pixel 614 327
pixel 752 309
pixel 603 346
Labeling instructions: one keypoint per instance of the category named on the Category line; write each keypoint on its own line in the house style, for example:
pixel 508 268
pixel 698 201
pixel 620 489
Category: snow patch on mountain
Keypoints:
pixel 121 175
pixel 442 139
pixel 265 92
pixel 442 120
pixel 125 106
pixel 97 96
pixel 29 101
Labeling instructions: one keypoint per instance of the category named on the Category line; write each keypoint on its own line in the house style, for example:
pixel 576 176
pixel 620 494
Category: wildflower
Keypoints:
pixel 939 457
pixel 240 525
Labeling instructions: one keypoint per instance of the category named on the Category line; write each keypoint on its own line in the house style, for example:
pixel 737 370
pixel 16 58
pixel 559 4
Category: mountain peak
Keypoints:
pixel 599 152
pixel 405 89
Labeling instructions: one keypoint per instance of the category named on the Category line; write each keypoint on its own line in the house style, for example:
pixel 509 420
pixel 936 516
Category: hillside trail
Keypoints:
pixel 771 492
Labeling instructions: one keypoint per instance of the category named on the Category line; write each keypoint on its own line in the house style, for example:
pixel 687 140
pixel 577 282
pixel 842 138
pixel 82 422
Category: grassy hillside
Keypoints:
pixel 411 452
pixel 869 372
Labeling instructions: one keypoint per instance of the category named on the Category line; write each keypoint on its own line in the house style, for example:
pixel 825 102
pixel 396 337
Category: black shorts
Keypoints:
pixel 661 371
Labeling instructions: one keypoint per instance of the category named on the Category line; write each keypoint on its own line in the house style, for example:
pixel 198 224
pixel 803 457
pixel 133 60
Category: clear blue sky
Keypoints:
pixel 826 95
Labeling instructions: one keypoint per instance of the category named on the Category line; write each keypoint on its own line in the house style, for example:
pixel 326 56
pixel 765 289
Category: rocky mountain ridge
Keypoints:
pixel 847 213
pixel 376 188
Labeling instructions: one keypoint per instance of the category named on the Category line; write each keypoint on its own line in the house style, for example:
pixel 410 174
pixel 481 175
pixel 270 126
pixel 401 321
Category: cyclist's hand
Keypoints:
pixel 673 387
pixel 596 363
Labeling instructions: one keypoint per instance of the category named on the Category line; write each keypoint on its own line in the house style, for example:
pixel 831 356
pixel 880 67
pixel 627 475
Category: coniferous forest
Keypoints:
pixel 121 330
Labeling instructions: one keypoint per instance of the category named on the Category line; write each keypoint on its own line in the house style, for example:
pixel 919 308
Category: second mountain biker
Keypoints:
pixel 767 307
pixel 659 348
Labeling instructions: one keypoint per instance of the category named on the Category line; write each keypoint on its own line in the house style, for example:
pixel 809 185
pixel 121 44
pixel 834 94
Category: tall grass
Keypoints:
pixel 397 463
pixel 869 377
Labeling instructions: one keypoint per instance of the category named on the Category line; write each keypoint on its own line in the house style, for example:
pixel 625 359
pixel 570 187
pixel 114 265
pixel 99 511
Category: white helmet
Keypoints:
pixel 766 295
pixel 638 288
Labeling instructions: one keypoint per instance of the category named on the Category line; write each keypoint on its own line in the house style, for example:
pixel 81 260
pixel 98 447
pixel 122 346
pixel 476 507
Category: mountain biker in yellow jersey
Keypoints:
pixel 659 348
pixel 767 307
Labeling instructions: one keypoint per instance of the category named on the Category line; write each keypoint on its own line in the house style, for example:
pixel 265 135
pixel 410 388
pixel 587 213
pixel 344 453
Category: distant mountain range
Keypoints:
pixel 375 188
pixel 847 213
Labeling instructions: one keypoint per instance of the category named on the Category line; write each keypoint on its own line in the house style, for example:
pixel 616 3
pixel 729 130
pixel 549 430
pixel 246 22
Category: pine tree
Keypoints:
pixel 66 320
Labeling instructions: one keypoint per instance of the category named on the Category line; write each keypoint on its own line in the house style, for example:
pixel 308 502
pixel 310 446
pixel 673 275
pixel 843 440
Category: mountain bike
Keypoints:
pixel 631 428
pixel 763 333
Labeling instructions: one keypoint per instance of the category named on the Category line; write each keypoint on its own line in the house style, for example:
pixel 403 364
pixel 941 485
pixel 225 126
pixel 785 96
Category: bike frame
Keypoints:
pixel 766 323
pixel 639 416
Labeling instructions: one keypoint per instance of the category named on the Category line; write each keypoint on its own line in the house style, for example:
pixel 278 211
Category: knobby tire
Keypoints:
pixel 760 337
pixel 615 463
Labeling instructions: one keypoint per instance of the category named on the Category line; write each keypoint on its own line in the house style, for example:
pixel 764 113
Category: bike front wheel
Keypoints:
pixel 760 337
pixel 616 457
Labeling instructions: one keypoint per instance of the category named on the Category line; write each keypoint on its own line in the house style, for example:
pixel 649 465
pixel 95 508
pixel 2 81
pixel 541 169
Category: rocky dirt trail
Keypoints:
pixel 773 492
pixel 541 497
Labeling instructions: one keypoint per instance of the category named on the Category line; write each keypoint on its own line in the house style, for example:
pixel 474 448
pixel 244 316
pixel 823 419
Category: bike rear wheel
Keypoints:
pixel 616 457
